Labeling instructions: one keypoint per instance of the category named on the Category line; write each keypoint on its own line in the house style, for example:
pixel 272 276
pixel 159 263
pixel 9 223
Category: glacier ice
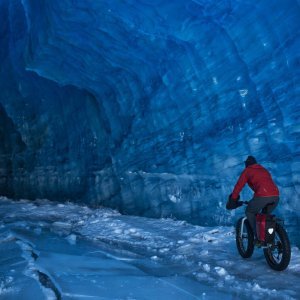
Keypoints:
pixel 149 106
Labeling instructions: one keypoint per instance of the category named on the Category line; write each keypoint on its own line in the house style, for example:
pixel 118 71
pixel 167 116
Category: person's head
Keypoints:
pixel 250 161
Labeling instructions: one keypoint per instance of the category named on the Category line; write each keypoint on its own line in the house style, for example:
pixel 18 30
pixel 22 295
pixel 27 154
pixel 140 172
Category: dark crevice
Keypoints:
pixel 46 281
pixel 34 255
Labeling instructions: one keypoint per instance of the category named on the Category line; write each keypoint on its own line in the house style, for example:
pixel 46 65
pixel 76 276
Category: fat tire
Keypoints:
pixel 286 251
pixel 248 251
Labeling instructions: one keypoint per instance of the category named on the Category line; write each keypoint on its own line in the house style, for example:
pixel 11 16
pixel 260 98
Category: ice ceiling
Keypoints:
pixel 149 106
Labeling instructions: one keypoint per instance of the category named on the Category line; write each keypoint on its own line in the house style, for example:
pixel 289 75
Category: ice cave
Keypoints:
pixel 139 115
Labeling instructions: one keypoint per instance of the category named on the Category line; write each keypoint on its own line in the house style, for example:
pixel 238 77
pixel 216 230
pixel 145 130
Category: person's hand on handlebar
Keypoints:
pixel 233 203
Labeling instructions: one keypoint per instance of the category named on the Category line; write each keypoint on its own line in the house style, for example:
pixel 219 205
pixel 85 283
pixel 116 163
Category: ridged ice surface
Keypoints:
pixel 149 106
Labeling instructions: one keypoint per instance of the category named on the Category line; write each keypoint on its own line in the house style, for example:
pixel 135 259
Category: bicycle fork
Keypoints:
pixel 242 227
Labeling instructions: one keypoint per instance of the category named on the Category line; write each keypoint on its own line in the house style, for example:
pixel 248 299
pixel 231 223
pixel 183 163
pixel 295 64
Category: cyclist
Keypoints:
pixel 265 191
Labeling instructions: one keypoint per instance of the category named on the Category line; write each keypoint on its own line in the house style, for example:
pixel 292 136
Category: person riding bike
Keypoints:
pixel 265 191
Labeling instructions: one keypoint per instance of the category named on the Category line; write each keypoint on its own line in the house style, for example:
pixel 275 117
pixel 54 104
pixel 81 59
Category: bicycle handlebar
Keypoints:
pixel 244 202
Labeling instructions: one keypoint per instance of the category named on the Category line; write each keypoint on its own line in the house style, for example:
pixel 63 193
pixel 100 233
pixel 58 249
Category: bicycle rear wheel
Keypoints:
pixel 279 254
pixel 244 238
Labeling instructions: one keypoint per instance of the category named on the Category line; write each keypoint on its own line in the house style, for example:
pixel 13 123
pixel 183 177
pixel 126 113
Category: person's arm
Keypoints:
pixel 239 185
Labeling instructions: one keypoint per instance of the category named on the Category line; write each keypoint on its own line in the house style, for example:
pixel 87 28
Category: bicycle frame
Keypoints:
pixel 242 230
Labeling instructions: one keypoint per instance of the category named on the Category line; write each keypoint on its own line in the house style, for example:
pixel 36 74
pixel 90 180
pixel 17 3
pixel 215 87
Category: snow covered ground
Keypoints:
pixel 65 251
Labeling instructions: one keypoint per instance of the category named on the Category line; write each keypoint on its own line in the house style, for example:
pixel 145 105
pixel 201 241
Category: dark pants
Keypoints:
pixel 255 205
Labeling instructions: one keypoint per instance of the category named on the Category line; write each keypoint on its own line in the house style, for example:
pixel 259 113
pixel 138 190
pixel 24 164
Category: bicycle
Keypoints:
pixel 277 248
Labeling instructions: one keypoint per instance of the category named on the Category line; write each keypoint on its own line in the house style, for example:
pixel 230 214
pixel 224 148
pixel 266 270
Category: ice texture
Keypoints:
pixel 127 257
pixel 149 106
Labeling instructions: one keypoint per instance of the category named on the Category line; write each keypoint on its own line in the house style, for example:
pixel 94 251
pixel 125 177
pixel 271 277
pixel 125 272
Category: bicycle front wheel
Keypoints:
pixel 244 238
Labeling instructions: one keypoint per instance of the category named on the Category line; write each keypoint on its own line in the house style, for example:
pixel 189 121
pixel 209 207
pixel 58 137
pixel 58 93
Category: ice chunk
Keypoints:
pixel 71 239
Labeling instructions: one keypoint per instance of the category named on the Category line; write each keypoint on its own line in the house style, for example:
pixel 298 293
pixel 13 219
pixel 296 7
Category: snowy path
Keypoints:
pixel 89 272
pixel 81 253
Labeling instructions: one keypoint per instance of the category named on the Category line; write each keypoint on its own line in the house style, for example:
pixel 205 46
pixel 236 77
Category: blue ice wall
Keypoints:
pixel 150 106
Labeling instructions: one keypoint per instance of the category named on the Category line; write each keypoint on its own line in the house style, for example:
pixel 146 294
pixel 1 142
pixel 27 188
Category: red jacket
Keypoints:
pixel 259 180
